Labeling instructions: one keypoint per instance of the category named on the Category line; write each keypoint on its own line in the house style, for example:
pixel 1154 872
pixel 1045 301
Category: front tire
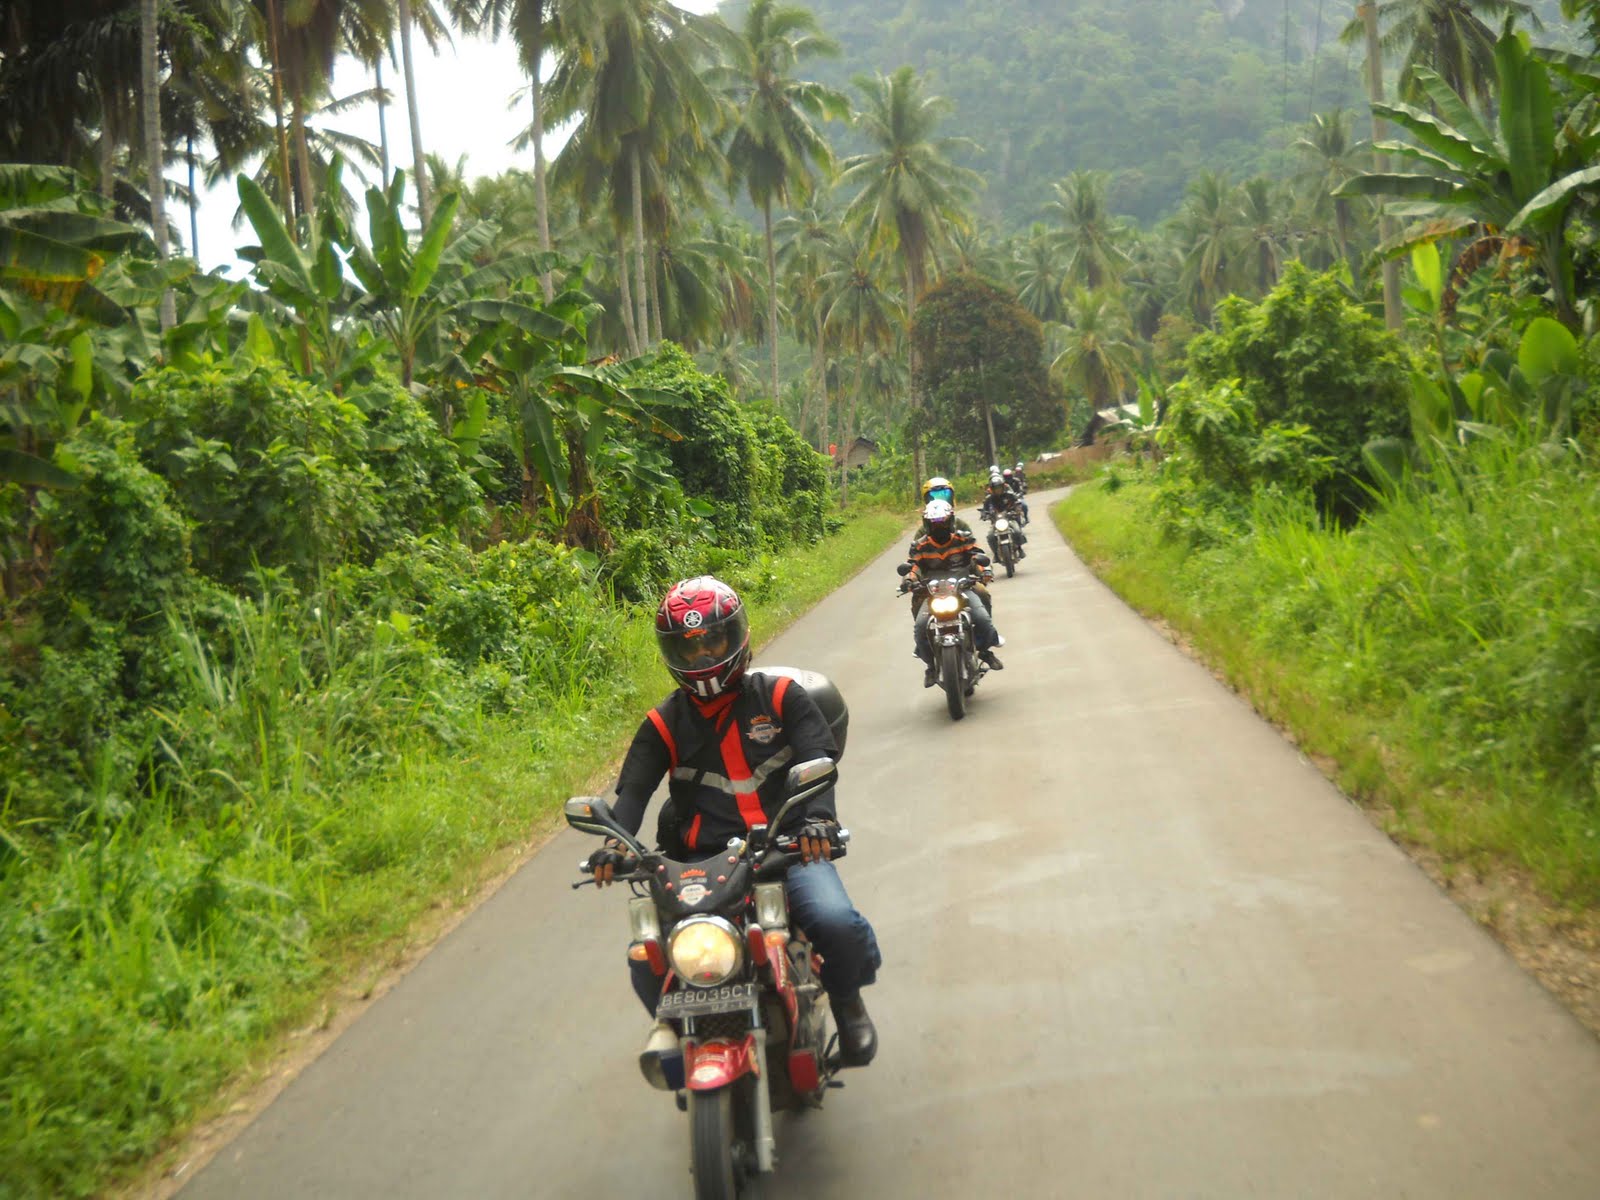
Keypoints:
pixel 711 1145
pixel 954 686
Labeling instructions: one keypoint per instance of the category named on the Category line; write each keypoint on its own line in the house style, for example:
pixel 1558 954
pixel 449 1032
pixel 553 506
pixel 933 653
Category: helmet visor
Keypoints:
pixel 943 492
pixel 697 650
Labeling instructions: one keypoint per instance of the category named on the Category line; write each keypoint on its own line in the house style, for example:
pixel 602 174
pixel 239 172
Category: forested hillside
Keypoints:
pixel 1150 90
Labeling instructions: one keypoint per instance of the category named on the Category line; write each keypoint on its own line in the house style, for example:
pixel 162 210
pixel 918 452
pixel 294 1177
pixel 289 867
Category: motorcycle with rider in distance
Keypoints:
pixel 1005 542
pixel 740 983
pixel 952 637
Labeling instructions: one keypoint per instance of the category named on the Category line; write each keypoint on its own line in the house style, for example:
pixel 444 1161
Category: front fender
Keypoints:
pixel 716 1063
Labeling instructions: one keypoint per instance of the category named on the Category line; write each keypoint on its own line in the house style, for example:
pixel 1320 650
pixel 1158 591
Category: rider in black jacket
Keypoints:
pixel 999 501
pixel 725 739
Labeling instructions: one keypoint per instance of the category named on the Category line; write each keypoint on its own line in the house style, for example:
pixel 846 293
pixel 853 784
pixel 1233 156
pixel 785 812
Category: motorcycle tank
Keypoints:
pixel 824 694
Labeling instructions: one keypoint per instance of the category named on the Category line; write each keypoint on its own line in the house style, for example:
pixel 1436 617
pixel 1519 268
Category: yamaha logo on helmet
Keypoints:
pixel 693 619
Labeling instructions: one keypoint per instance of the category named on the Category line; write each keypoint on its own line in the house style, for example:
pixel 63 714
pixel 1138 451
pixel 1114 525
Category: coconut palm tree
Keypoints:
pixel 1208 230
pixel 911 192
pixel 866 315
pixel 1088 235
pixel 776 143
pixel 1331 156
pixel 536 27
pixel 631 77
pixel 1039 275
pixel 1264 232
pixel 806 241
pixel 1098 358
pixel 1454 38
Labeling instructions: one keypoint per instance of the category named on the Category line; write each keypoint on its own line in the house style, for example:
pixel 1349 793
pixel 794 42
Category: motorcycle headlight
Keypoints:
pixel 704 951
pixel 946 606
pixel 1002 525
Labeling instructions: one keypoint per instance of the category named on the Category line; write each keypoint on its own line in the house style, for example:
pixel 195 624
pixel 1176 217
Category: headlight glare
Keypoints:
pixel 704 951
pixel 946 606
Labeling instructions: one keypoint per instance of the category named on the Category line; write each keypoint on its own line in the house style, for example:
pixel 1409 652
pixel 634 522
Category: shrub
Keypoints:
pixel 1306 358
pixel 716 458
pixel 269 468
pixel 122 548
pixel 794 491
pixel 423 483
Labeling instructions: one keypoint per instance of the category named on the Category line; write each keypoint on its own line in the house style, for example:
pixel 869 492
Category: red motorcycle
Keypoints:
pixel 740 986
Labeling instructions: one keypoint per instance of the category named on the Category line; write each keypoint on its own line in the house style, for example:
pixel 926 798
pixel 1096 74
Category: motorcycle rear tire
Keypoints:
pixel 955 687
pixel 711 1143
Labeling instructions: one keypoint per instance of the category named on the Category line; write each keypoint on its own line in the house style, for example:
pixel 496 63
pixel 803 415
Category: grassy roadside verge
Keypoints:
pixel 169 956
pixel 1420 717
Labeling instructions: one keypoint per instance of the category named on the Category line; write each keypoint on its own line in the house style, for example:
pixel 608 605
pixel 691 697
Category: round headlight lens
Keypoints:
pixel 704 951
pixel 946 606
pixel 1002 525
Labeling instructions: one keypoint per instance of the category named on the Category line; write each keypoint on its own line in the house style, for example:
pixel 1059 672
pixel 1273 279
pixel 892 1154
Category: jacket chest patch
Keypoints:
pixel 763 730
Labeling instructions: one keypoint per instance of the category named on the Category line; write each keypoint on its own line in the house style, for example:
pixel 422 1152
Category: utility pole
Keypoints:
pixel 1367 11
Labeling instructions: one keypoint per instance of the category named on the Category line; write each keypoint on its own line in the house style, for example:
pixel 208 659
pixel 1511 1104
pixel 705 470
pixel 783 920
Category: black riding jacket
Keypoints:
pixel 996 506
pixel 728 760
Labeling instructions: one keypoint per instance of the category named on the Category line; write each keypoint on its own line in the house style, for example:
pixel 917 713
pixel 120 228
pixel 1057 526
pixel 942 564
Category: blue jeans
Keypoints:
pixel 819 905
pixel 983 627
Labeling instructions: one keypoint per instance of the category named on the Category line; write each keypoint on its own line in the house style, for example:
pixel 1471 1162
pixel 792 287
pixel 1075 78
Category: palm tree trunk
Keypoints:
pixel 194 201
pixel 772 298
pixel 150 86
pixel 640 299
pixel 627 293
pixel 418 159
pixel 917 464
pixel 277 110
pixel 108 149
pixel 302 156
pixel 819 370
pixel 850 428
pixel 541 197
pixel 655 292
pixel 383 122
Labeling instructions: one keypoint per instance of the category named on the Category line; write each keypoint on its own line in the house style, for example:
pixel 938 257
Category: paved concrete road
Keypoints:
pixel 1134 946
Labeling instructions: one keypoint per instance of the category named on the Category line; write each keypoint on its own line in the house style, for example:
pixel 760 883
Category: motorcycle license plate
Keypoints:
pixel 697 1002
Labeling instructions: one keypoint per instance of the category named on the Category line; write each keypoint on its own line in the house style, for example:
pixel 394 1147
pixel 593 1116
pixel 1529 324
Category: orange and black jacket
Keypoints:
pixel 933 560
pixel 727 761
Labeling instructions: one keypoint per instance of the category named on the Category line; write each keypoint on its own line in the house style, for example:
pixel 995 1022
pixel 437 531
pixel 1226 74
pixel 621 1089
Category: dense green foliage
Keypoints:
pixel 1288 391
pixel 980 366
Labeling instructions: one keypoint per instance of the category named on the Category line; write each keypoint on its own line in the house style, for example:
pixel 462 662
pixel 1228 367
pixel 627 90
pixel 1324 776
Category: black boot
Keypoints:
pixel 858 1037
pixel 992 660
pixel 930 675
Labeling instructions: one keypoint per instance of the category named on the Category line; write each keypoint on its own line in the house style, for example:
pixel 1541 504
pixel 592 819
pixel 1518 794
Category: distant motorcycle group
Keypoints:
pixel 947 576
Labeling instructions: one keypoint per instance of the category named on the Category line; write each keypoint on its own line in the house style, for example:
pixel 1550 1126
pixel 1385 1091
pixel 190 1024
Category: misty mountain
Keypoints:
pixel 1150 91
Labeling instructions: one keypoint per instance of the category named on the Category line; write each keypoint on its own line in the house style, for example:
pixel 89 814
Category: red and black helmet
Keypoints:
pixel 704 635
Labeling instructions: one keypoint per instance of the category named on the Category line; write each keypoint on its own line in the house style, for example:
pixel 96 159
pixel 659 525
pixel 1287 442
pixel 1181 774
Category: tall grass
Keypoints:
pixel 319 784
pixel 1445 650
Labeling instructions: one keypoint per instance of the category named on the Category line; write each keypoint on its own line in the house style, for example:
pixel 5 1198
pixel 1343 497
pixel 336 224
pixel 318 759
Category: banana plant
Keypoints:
pixel 1520 178
pixel 419 295
pixel 564 410
pixel 70 332
pixel 304 290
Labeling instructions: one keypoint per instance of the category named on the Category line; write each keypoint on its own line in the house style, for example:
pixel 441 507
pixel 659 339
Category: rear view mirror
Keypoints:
pixel 903 569
pixel 591 814
pixel 803 775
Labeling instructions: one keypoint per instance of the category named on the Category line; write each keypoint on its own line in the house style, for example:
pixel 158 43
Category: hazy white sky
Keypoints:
pixel 462 98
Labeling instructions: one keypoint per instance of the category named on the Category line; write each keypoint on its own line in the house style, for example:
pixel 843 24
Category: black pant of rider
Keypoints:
pixel 994 544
